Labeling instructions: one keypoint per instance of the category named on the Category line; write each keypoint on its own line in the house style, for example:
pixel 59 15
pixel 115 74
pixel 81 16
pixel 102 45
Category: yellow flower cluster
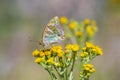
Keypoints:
pixel 38 60
pixel 84 54
pixel 86 21
pixel 90 51
pixel 73 47
pixel 90 27
pixel 88 69
pixel 63 20
pixel 73 24
pixel 93 49
pixel 81 30
pixel 90 30
pixel 57 50
pixel 35 53
pixel 55 55
pixel 61 60
pixel 79 33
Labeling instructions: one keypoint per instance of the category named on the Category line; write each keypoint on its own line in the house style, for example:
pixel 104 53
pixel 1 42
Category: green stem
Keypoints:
pixel 71 70
pixel 57 72
pixel 52 75
pixel 66 75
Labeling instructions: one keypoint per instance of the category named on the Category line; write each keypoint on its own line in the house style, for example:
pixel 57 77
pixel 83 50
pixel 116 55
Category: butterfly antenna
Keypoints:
pixel 40 42
pixel 33 41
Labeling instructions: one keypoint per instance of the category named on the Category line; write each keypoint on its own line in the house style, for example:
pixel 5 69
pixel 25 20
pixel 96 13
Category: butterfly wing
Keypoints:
pixel 53 32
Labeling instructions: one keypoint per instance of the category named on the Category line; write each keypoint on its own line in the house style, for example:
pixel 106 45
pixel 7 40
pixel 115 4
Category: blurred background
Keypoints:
pixel 24 20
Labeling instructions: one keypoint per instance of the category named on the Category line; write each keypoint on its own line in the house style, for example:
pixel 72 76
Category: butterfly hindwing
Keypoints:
pixel 53 32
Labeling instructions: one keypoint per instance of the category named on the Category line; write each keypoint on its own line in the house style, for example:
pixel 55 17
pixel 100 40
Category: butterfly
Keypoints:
pixel 53 32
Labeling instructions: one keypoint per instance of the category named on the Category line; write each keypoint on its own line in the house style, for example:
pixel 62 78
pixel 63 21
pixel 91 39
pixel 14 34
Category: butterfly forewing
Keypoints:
pixel 53 32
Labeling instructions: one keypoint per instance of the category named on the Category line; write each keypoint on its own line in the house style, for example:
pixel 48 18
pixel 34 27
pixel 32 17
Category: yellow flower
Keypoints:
pixel 50 60
pixel 41 54
pixel 89 65
pixel 89 45
pixel 86 21
pixel 59 47
pixel 88 74
pixel 84 49
pixel 92 70
pixel 82 55
pixel 63 20
pixel 38 60
pixel 47 52
pixel 55 49
pixel 79 33
pixel 73 24
pixel 90 31
pixel 60 54
pixel 57 64
pixel 59 51
pixel 99 50
pixel 35 53
pixel 85 53
pixel 89 68
pixel 68 47
pixel 75 47
pixel 84 65
pixel 94 50
pixel 86 68
pixel 66 51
